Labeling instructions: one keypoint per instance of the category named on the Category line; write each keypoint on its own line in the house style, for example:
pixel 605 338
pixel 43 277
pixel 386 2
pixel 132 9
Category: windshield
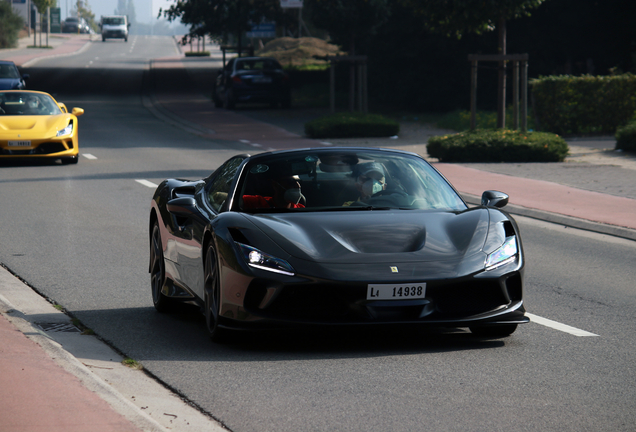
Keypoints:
pixel 114 21
pixel 27 103
pixel 258 64
pixel 8 70
pixel 321 180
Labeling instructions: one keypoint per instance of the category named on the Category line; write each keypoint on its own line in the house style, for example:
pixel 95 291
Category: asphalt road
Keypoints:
pixel 78 235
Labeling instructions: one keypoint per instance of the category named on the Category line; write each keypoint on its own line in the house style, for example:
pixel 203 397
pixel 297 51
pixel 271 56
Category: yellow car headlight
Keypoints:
pixel 66 131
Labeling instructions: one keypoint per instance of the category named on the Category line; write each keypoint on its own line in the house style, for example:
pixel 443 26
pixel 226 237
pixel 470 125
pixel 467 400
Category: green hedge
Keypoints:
pixel 626 137
pixel 498 145
pixel 588 104
pixel 352 125
pixel 459 120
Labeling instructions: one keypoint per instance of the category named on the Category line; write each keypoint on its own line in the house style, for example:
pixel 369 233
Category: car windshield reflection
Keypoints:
pixel 27 103
pixel 356 180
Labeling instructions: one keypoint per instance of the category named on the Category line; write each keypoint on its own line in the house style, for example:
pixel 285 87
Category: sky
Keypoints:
pixel 146 10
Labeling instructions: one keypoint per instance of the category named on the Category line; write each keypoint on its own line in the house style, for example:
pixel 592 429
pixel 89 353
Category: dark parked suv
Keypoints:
pixel 252 79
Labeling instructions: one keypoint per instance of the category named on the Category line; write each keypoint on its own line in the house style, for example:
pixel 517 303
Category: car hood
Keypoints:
pixel 377 236
pixel 9 83
pixel 33 127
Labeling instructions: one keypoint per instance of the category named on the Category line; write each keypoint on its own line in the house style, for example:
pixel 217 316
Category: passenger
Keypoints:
pixel 369 180
pixel 287 194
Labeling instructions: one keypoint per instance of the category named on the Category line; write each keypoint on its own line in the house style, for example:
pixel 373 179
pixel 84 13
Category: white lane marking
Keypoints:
pixel 325 143
pixel 245 141
pixel 255 145
pixel 89 156
pixel 558 326
pixel 147 183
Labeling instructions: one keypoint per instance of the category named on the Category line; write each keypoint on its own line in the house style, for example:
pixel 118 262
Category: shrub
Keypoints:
pixel 498 145
pixel 10 25
pixel 459 120
pixel 588 104
pixel 626 137
pixel 351 125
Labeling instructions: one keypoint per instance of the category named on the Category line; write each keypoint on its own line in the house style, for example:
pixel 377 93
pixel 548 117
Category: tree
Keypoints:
pixel 83 10
pixel 10 25
pixel 221 18
pixel 349 21
pixel 457 17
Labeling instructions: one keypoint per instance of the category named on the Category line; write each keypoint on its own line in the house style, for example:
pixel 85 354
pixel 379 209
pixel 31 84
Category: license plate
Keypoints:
pixel 262 80
pixel 19 143
pixel 396 292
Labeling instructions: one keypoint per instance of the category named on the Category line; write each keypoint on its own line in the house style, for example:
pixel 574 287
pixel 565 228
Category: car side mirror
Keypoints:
pixel 77 111
pixel 492 198
pixel 26 76
pixel 182 207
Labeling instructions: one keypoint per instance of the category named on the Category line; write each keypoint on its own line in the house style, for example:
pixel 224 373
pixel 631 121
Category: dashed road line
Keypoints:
pixel 147 183
pixel 558 326
pixel 89 156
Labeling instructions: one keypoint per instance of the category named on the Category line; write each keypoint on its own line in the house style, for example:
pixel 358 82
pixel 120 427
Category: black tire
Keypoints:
pixel 213 296
pixel 218 103
pixel 158 272
pixel 495 331
pixel 228 100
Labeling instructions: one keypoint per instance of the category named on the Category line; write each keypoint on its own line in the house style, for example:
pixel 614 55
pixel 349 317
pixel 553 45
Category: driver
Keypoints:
pixel 33 105
pixel 369 180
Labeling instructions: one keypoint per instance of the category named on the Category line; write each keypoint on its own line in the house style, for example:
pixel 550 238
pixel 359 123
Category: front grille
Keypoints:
pixel 347 303
pixel 467 298
pixel 44 148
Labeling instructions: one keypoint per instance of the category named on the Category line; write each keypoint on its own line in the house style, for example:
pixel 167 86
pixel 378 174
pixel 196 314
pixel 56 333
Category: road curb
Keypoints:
pixel 89 380
pixel 142 399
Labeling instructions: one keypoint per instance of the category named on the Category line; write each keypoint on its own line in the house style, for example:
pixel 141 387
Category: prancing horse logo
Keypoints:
pixel 394 269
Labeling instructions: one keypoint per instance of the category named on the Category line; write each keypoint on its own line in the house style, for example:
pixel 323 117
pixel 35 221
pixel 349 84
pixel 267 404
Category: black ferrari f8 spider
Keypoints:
pixel 334 236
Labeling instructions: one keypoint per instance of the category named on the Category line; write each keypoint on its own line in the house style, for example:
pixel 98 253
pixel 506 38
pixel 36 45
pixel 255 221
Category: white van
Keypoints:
pixel 114 27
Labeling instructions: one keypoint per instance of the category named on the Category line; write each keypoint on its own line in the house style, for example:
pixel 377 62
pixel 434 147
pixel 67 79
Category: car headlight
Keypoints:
pixel 261 260
pixel 66 131
pixel 504 254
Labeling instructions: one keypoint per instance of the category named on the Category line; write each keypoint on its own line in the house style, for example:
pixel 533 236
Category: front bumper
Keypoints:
pixel 42 149
pixel 114 34
pixel 278 302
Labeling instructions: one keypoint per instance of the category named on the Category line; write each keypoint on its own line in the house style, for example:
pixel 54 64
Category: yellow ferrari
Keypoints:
pixel 34 125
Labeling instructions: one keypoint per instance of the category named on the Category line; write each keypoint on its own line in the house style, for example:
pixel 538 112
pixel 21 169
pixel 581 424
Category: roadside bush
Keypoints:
pixel 626 137
pixel 10 25
pixel 584 105
pixel 352 125
pixel 498 145
pixel 459 120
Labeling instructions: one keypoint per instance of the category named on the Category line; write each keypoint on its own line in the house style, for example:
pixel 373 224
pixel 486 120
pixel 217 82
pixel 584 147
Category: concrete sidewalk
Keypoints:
pixel 41 392
pixel 27 53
